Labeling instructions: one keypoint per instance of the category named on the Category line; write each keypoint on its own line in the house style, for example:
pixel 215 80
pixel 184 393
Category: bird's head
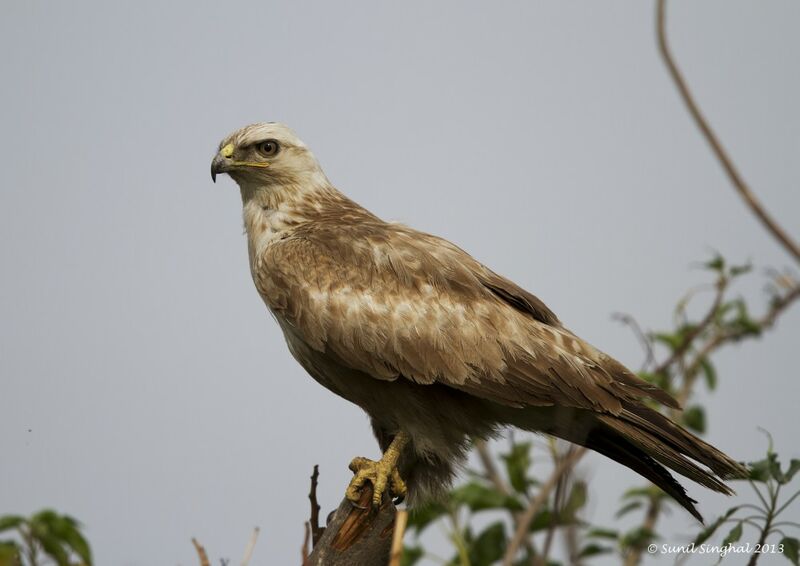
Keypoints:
pixel 266 155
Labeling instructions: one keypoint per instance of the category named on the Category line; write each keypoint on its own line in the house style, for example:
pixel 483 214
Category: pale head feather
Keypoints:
pixel 292 170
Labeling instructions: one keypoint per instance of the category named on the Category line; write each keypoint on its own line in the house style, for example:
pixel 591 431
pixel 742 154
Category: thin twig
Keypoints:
pixel 634 555
pixel 400 521
pixel 492 473
pixel 730 169
pixel 251 545
pixel 766 322
pixel 305 550
pixel 521 532
pixel 765 531
pixel 201 553
pixel 316 530
pixel 558 505
pixel 647 346
pixel 684 346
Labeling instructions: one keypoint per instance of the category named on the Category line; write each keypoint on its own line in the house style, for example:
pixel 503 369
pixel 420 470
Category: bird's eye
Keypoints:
pixel 268 148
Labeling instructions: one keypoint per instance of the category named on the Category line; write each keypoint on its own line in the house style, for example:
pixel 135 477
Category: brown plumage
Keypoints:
pixel 429 341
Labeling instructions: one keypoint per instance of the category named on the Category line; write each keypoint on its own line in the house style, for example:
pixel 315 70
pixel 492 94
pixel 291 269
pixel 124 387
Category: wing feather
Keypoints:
pixel 396 303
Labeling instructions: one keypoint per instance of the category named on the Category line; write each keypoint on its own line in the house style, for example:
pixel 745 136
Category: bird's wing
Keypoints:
pixel 396 303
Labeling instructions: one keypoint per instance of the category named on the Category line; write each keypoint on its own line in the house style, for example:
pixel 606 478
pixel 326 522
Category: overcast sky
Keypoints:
pixel 146 390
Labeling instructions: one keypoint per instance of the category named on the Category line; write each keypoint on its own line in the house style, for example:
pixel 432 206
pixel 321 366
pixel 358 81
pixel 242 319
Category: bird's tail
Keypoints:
pixel 641 439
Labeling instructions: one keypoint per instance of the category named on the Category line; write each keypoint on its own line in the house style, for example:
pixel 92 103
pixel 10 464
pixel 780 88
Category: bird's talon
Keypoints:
pixel 380 474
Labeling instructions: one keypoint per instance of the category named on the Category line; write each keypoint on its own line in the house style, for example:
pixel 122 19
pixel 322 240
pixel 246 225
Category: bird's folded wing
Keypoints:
pixel 403 304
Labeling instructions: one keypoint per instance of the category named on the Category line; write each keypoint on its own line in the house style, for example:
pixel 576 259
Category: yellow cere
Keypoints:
pixel 227 153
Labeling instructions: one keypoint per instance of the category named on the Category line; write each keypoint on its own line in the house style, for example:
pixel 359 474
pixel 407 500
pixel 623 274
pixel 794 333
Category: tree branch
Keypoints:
pixel 525 519
pixel 684 347
pixel 647 346
pixel 397 538
pixel 201 553
pixel 492 472
pixel 766 322
pixel 634 555
pixel 316 530
pixel 730 169
pixel 251 545
pixel 357 534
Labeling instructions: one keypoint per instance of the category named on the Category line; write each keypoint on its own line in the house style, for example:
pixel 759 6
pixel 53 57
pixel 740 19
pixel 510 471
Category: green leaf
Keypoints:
pixel 734 535
pixel 717 263
pixel 593 550
pixel 9 553
pixel 672 341
pixel 709 372
pixel 648 492
pixel 546 519
pixel 479 497
pixel 603 533
pixel 10 522
pixel 743 323
pixel 489 546
pixel 775 467
pixel 637 538
pixel 46 517
pixel 761 471
pixel 708 532
pixel 52 547
pixel 576 500
pixel 737 270
pixel 518 461
pixel 79 545
pixel 65 528
pixel 661 378
pixel 625 509
pixel 791 550
pixel 411 554
pixel 794 467
pixel 695 418
pixel 58 534
pixel 420 517
pixel 723 310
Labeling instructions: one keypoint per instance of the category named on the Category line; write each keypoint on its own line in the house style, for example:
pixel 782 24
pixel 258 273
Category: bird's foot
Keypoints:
pixel 380 474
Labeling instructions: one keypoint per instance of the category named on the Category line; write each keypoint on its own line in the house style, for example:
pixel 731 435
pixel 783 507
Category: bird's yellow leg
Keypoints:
pixel 379 473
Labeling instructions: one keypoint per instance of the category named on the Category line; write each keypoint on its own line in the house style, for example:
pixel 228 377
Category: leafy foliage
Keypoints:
pixel 44 534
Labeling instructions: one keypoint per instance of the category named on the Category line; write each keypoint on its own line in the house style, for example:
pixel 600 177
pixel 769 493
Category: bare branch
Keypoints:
pixel 492 472
pixel 634 556
pixel 201 553
pixel 251 545
pixel 558 503
pixel 647 346
pixel 305 550
pixel 730 169
pixel 358 533
pixel 678 353
pixel 400 522
pixel 521 532
pixel 316 530
pixel 766 322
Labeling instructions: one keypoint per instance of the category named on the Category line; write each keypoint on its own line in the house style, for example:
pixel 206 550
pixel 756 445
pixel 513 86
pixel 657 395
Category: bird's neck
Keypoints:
pixel 269 212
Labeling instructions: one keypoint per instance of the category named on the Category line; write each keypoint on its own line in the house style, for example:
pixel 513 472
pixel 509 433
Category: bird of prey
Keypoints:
pixel 433 345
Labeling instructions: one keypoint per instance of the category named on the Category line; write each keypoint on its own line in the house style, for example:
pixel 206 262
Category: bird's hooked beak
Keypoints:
pixel 222 161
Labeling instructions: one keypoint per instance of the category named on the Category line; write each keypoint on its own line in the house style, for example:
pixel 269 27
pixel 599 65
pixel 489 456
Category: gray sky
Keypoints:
pixel 145 389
